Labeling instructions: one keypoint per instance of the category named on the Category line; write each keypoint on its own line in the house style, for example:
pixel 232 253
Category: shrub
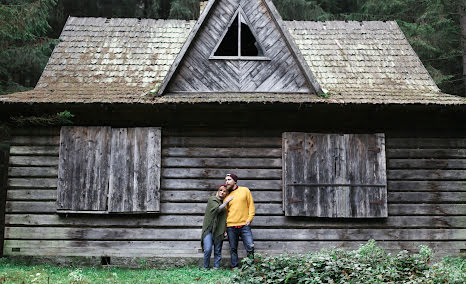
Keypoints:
pixel 368 264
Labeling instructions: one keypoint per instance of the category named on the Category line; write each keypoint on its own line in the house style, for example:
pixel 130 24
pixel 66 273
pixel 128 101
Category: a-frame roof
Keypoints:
pixel 102 60
pixel 285 72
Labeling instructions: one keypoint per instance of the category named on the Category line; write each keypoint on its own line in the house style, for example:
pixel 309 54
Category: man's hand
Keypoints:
pixel 248 222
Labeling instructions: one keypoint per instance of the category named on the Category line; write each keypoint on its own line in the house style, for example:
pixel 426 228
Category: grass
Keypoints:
pixel 13 272
pixel 368 264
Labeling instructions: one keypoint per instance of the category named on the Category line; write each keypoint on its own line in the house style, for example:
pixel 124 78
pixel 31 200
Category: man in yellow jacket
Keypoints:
pixel 240 212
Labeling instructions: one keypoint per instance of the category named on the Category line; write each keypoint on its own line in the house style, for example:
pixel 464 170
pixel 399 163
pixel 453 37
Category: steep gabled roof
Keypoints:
pixel 194 69
pixel 120 60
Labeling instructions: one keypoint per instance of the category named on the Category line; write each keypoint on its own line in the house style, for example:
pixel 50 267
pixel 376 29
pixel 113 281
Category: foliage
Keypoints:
pixel 184 9
pixel 12 272
pixel 24 45
pixel 61 118
pixel 301 10
pixel 368 264
pixel 432 28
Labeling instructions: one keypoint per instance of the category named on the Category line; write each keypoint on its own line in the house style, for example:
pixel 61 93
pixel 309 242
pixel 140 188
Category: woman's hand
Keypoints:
pixel 230 198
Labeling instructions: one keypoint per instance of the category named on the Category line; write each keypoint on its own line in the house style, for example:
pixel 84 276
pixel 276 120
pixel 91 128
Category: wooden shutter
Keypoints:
pixel 83 168
pixel 135 170
pixel 334 175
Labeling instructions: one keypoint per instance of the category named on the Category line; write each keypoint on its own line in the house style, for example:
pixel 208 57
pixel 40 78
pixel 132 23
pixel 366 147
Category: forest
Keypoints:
pixel 29 29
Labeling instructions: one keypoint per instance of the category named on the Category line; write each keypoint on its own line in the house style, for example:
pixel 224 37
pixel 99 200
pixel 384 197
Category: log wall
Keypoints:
pixel 426 199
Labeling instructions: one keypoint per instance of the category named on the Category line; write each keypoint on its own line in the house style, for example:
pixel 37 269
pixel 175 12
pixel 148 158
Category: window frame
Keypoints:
pixel 239 14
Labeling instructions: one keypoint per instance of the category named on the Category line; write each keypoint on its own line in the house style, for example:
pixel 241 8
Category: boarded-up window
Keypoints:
pixel 334 175
pixel 109 170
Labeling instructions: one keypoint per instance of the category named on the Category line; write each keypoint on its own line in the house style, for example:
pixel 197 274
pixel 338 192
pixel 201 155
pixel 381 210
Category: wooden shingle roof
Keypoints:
pixel 102 60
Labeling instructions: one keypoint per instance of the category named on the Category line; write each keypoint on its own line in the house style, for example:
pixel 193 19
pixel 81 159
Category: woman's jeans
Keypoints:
pixel 233 238
pixel 208 242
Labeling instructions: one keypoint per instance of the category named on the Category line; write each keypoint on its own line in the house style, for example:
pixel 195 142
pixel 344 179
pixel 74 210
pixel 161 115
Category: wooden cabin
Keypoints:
pixel 336 127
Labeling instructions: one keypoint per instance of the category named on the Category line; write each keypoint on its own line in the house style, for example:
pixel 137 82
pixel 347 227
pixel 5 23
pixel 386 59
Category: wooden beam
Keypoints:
pixel 192 248
pixel 190 221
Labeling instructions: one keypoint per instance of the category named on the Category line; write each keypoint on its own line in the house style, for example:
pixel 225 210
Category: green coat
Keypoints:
pixel 214 221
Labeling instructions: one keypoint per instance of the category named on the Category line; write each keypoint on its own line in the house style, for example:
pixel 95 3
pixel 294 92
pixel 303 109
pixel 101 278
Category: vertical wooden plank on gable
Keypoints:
pixel 83 168
pixel 135 170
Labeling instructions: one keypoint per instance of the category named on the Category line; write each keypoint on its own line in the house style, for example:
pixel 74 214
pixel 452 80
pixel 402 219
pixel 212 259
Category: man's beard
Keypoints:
pixel 230 186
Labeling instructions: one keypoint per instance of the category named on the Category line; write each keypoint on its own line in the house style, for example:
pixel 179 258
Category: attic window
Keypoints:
pixel 239 41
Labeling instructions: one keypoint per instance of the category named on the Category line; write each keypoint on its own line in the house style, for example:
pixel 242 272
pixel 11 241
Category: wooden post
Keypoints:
pixel 4 157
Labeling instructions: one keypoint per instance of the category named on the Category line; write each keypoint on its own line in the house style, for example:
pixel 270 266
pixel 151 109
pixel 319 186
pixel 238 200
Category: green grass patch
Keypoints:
pixel 13 272
pixel 368 264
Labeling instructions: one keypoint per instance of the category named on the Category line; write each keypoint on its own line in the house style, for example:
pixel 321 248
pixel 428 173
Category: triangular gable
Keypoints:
pixel 281 68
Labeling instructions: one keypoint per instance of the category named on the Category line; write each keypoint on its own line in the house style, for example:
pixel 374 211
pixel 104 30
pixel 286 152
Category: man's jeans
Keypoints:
pixel 208 242
pixel 233 238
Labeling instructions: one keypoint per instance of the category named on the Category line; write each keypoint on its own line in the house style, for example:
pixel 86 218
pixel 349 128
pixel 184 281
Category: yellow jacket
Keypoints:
pixel 241 208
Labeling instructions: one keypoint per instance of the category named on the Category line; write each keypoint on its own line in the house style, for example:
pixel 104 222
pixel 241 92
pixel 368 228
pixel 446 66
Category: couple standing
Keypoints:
pixel 236 214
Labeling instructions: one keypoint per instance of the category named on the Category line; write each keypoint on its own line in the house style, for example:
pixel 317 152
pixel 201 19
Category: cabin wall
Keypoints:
pixel 426 199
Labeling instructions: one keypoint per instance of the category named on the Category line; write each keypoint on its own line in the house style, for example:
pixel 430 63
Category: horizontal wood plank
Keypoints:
pixel 426 174
pixel 259 196
pixel 166 208
pixel 167 195
pixel 32 182
pixel 212 184
pixel 35 140
pixel 220 173
pixel 391 222
pixel 415 143
pixel 221 141
pixel 426 153
pixel 33 161
pixel 426 209
pixel 440 164
pixel 60 233
pixel 427 197
pixel 222 162
pixel 33 171
pixel 222 152
pixel 192 248
pixel 424 185
pixel 261 208
pixel 34 150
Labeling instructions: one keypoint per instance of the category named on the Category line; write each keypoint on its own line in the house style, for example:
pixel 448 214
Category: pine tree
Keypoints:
pixel 433 30
pixel 24 45
pixel 184 9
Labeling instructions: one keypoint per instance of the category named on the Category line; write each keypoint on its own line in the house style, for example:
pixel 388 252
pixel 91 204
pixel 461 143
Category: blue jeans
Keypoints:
pixel 233 238
pixel 208 242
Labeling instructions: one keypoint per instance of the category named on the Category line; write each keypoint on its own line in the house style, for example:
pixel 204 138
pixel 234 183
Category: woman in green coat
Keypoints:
pixel 213 226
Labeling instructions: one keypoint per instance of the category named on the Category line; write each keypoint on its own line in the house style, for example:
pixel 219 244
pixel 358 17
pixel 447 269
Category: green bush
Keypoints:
pixel 368 264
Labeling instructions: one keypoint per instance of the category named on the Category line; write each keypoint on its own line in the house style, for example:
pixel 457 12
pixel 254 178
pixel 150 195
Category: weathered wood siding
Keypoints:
pixel 426 199
pixel 4 153
pixel 334 175
pixel 198 73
